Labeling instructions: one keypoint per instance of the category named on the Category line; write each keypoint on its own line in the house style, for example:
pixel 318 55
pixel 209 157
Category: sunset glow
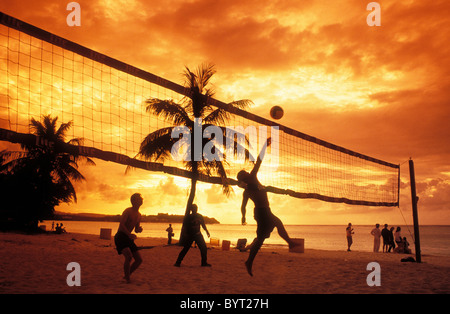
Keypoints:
pixel 381 91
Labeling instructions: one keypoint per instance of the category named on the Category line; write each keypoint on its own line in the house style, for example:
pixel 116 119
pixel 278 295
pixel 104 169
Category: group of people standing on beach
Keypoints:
pixel 253 189
pixel 392 241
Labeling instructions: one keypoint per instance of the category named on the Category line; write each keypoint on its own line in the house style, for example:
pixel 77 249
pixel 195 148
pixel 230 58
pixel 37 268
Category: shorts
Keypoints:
pixel 266 223
pixel 123 241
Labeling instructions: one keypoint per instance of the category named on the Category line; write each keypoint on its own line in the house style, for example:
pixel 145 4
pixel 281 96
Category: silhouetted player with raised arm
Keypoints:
pixel 266 221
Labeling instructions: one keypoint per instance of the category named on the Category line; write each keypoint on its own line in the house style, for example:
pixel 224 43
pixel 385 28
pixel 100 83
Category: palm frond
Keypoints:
pixel 218 116
pixel 10 160
pixel 37 127
pixel 204 73
pixel 190 78
pixel 157 145
pixel 76 141
pixel 199 94
pixel 241 104
pixel 168 110
pixel 49 125
pixel 64 184
pixel 62 130
pixel 213 168
pixel 200 78
pixel 67 168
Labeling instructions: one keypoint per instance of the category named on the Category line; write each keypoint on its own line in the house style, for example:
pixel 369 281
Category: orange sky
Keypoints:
pixel 382 91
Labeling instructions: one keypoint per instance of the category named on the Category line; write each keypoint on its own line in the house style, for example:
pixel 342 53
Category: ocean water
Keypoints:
pixel 434 240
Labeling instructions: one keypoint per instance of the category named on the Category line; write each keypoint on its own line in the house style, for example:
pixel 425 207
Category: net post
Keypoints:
pixel 414 200
pixel 398 187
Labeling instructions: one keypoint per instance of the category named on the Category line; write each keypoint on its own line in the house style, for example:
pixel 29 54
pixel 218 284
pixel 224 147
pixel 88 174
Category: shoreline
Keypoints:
pixel 38 264
pixel 322 240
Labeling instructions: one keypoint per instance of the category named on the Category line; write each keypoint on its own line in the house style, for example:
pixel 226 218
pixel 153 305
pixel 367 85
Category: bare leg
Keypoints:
pixel 349 243
pixel 248 247
pixel 137 261
pixel 126 264
pixel 203 250
pixel 282 231
pixel 187 246
pixel 255 246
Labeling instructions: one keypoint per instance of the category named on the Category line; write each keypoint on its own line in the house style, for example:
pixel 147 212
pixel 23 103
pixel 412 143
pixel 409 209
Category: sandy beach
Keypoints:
pixel 37 264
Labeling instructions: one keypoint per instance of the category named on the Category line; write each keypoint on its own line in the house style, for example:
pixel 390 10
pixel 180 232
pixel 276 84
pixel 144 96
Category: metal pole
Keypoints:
pixel 414 200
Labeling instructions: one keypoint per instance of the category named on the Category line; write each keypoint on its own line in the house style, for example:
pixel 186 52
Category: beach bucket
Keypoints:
pixel 299 248
pixel 226 245
pixel 105 233
pixel 214 242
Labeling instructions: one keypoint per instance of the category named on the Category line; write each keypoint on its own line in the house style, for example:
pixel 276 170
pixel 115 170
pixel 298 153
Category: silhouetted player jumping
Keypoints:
pixel 266 221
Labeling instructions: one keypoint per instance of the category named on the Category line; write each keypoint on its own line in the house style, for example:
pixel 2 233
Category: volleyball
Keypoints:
pixel 276 112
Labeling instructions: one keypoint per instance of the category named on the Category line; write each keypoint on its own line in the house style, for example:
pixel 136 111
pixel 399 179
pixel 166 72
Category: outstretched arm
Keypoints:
pixel 204 227
pixel 243 206
pixel 260 157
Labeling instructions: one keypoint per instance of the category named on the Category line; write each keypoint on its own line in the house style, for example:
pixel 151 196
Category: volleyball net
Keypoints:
pixel 42 73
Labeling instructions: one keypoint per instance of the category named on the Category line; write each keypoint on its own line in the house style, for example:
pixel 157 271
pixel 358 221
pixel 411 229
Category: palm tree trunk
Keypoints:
pixel 196 105
pixel 189 202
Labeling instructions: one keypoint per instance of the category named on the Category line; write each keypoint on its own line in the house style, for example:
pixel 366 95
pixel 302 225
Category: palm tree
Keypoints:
pixel 158 144
pixel 43 171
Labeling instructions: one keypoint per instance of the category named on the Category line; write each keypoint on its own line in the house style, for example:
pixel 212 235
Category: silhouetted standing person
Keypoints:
pixel 349 232
pixel 385 234
pixel 169 234
pixel 376 232
pixel 266 221
pixel 398 236
pixel 391 239
pixel 193 233
pixel 124 239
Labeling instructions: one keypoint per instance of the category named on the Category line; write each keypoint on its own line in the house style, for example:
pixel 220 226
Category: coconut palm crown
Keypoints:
pixel 158 144
pixel 43 171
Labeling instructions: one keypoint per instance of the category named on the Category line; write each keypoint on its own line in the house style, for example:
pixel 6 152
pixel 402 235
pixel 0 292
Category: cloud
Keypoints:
pixel 168 187
pixel 214 195
pixel 109 189
pixel 407 123
pixel 381 91
pixel 434 194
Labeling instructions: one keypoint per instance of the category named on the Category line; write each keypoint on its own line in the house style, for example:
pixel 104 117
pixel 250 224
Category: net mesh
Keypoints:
pixel 41 73
pixel 105 104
